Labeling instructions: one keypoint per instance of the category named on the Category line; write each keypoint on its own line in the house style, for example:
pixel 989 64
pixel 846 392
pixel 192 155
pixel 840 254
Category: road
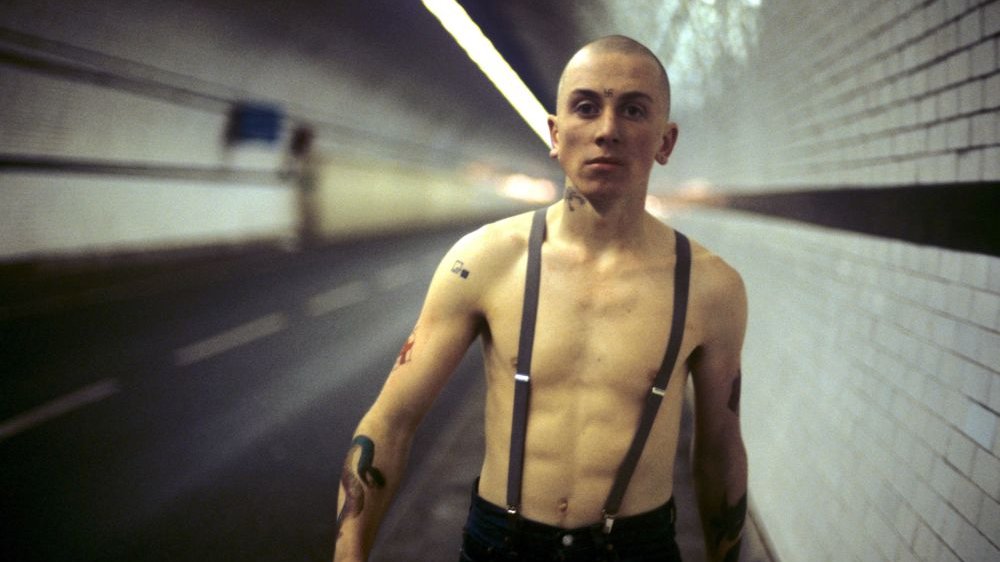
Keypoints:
pixel 203 413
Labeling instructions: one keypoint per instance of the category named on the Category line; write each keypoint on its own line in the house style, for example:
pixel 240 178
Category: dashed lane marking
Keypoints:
pixel 62 405
pixel 231 339
pixel 339 297
pixel 323 303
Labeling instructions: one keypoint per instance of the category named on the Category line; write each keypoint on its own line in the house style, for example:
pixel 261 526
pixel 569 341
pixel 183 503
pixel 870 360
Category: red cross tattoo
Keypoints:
pixel 405 352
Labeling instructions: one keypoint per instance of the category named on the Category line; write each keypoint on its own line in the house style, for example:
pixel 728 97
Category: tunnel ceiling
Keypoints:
pixel 407 51
pixel 691 37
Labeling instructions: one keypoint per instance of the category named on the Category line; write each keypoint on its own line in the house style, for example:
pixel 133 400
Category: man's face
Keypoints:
pixel 611 123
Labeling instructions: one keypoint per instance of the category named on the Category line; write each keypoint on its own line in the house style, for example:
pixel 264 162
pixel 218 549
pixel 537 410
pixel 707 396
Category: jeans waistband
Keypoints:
pixel 661 518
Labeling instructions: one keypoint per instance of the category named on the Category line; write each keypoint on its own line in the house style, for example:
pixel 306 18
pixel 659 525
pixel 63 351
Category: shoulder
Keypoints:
pixel 713 274
pixel 505 235
pixel 712 278
pixel 478 260
pixel 493 245
pixel 717 291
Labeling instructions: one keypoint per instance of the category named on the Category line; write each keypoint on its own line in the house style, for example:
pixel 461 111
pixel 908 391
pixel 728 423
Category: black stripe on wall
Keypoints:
pixel 964 217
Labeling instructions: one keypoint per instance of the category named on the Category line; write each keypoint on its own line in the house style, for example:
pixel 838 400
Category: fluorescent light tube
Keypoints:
pixel 468 35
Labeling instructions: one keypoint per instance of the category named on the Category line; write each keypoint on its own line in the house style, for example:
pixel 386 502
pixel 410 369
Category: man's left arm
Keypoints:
pixel 718 457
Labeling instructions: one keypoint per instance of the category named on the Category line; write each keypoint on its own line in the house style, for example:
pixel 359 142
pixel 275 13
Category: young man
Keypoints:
pixel 565 476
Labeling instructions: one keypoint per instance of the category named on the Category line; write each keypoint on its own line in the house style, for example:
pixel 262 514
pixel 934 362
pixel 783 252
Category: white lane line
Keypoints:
pixel 395 276
pixel 62 405
pixel 231 339
pixel 339 297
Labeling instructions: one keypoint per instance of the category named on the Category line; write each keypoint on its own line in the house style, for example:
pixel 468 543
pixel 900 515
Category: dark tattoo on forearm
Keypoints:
pixel 573 196
pixel 355 481
pixel 371 475
pixel 727 525
pixel 734 393
pixel 458 268
pixel 406 352
pixel 354 495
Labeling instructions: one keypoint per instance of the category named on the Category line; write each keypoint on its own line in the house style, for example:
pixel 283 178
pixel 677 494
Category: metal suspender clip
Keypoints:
pixel 521 377
pixel 609 522
pixel 659 391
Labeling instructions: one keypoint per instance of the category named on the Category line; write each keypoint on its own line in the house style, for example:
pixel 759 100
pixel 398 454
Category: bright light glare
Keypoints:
pixel 524 188
pixel 655 206
pixel 696 188
pixel 468 35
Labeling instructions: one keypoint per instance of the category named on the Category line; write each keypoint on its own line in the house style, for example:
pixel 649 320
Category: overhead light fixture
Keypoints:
pixel 456 20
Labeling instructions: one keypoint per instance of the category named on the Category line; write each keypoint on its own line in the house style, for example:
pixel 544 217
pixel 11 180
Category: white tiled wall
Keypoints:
pixel 872 366
pixel 47 216
pixel 53 117
pixel 872 391
pixel 136 116
pixel 855 92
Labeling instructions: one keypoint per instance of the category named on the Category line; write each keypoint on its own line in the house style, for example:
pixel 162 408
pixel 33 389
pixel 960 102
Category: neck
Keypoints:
pixel 598 225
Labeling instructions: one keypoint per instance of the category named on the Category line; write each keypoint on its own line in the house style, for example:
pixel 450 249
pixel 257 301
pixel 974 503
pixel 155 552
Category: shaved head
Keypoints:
pixel 619 44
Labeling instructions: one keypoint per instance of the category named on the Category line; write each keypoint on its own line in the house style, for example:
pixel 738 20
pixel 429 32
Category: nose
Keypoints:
pixel 607 128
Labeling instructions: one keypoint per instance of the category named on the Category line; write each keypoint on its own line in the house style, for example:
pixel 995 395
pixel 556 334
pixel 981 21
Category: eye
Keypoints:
pixel 586 108
pixel 634 111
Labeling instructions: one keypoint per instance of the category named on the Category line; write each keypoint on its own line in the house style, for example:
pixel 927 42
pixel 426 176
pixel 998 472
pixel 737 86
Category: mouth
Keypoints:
pixel 605 161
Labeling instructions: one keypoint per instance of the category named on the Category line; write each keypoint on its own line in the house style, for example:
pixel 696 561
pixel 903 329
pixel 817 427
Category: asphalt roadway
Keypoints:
pixel 200 410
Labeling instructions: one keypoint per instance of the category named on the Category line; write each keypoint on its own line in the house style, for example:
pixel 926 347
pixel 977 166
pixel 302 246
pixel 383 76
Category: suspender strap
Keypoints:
pixel 682 279
pixel 522 379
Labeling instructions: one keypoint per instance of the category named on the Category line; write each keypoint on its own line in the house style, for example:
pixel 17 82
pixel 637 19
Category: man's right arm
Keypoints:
pixel 448 323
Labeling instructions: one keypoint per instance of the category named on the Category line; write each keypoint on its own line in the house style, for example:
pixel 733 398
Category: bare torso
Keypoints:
pixel 602 329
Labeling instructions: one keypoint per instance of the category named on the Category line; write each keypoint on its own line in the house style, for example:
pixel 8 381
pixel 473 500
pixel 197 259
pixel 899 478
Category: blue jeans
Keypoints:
pixel 493 535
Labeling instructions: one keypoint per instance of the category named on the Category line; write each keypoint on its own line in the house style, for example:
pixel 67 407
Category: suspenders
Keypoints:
pixel 522 378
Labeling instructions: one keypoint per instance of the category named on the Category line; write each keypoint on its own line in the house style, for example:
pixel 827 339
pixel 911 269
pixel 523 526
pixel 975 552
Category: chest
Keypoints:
pixel 600 327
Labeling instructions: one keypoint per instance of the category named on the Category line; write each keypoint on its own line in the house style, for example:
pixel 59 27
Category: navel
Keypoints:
pixel 563 505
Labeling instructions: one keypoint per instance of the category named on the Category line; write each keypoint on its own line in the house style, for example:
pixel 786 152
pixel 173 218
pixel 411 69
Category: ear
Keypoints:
pixel 669 141
pixel 553 137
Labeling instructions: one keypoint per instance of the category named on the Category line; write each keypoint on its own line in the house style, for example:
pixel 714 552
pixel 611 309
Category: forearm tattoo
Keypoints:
pixel 573 198
pixel 406 352
pixel 354 482
pixel 727 526
pixel 734 393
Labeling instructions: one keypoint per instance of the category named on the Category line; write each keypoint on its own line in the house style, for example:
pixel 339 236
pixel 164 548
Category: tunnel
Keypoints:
pixel 219 222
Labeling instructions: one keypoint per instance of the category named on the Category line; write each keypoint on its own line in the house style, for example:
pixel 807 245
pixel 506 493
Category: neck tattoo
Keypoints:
pixel 573 198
